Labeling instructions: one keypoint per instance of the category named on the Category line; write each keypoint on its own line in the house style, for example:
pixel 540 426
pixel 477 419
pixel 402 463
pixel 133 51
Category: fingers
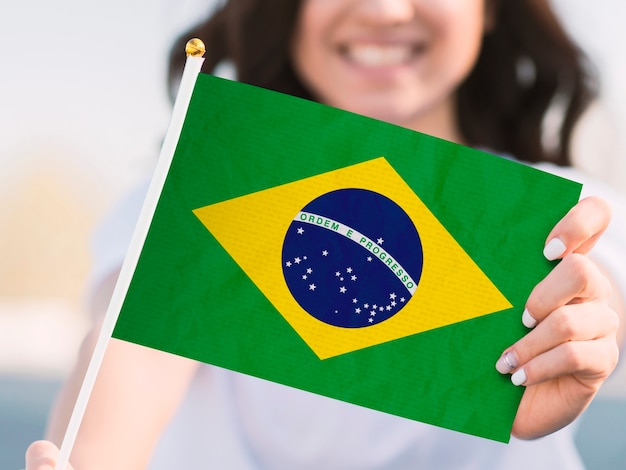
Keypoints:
pixel 574 327
pixel 575 279
pixel 578 322
pixel 579 230
pixel 576 338
pixel 590 361
pixel 42 455
pixel 572 347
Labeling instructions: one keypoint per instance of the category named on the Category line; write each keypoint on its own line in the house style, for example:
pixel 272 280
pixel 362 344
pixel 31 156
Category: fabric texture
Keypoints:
pixel 229 420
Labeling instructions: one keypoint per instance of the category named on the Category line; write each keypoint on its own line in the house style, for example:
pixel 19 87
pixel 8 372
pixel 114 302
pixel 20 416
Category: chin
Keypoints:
pixel 398 117
pixel 389 108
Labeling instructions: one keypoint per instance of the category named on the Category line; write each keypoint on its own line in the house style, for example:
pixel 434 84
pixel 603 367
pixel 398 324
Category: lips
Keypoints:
pixel 380 54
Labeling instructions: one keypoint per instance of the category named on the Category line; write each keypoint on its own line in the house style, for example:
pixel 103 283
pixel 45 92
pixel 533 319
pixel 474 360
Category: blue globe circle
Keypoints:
pixel 352 258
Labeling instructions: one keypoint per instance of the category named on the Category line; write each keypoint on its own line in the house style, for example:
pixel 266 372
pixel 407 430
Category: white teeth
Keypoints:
pixel 379 56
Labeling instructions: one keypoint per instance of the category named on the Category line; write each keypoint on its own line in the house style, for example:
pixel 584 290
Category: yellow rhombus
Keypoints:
pixel 252 228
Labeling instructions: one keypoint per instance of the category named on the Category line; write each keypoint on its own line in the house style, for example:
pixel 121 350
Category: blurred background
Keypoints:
pixel 83 109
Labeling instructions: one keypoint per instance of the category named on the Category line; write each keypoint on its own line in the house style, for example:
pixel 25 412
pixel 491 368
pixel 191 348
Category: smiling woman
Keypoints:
pixel 396 61
pixel 484 73
pixel 501 74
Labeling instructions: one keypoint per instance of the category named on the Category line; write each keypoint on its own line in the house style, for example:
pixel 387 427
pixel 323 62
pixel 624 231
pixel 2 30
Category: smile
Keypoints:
pixel 381 55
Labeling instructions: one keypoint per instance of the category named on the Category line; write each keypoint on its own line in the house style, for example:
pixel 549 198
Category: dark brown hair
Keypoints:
pixel 527 65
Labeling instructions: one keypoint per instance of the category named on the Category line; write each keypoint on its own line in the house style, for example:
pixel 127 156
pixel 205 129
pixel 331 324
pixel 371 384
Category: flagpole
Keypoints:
pixel 195 50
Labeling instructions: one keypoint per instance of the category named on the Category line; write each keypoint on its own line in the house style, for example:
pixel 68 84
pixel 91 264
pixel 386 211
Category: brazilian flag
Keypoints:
pixel 344 256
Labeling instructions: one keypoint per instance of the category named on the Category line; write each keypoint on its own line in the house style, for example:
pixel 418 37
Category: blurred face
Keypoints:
pixel 395 60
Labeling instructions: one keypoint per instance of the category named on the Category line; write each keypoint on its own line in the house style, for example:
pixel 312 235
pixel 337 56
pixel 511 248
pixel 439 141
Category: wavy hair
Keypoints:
pixel 528 69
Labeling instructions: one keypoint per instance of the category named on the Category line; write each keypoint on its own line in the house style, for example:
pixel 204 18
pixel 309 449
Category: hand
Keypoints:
pixel 42 455
pixel 572 347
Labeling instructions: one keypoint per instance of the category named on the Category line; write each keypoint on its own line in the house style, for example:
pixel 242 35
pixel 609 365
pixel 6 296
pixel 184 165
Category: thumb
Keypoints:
pixel 42 455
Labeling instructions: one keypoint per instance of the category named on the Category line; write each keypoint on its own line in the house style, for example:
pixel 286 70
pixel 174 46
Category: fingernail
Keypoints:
pixel 528 320
pixel 554 249
pixel 507 363
pixel 519 377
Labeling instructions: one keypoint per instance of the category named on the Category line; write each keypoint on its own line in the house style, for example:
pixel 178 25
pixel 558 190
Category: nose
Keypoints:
pixel 386 11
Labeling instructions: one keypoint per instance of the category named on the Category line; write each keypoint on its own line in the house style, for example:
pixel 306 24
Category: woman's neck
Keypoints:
pixel 440 121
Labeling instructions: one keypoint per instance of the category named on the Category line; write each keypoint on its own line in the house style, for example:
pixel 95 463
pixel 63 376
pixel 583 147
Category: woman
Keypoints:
pixel 477 72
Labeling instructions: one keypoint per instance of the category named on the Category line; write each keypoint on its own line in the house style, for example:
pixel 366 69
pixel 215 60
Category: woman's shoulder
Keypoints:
pixel 112 235
pixel 592 186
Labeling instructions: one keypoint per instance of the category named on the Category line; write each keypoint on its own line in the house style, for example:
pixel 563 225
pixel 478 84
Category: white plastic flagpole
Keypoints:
pixel 195 51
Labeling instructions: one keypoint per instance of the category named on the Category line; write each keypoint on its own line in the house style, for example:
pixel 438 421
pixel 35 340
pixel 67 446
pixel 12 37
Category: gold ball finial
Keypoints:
pixel 195 48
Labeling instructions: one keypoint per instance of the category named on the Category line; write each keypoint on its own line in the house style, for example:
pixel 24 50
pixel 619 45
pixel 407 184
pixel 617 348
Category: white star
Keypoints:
pixel 312 286
pixel 402 299
pixel 393 304
pixel 388 307
pixel 371 320
pixel 337 274
pixel 373 313
pixel 304 258
pixel 309 271
pixel 300 230
pixel 392 296
pixel 357 310
pixel 381 308
pixel 341 278
pixel 374 306
pixel 369 258
pixel 325 253
pixel 288 264
pixel 366 306
pixel 304 276
pixel 355 301
pixel 348 270
pixel 297 260
pixel 343 290
pixel 353 277
pixel 380 241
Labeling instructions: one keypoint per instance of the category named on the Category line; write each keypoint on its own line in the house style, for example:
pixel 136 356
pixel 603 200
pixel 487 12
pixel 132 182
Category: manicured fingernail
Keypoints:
pixel 528 320
pixel 507 363
pixel 519 377
pixel 554 249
